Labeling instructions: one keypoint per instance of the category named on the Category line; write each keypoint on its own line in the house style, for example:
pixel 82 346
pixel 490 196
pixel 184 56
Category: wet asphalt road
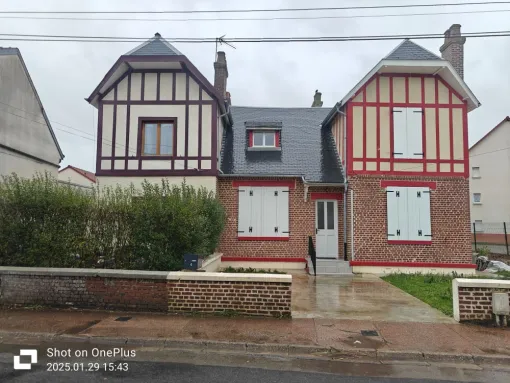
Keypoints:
pixel 177 372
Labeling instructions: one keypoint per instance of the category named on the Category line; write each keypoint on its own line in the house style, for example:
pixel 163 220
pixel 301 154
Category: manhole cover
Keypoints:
pixel 369 333
pixel 123 319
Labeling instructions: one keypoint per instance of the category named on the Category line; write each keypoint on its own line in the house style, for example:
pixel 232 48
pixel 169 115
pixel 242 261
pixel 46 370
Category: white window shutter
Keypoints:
pixel 413 210
pixel 400 133
pixel 269 204
pixel 419 214
pixel 397 213
pixel 425 225
pixel 283 212
pixel 256 212
pixel 244 212
pixel 414 133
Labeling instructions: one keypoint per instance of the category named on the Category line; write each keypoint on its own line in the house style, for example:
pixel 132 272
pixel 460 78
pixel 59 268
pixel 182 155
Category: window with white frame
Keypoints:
pixel 264 139
pixel 475 172
pixel 408 210
pixel 263 212
pixel 477 197
pixel 407 133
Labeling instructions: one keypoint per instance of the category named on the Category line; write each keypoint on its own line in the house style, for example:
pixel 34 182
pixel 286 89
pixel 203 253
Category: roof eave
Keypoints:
pixel 473 102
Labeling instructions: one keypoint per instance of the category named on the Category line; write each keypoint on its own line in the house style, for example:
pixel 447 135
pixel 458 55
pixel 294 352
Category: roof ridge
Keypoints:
pixel 280 107
pixel 401 52
pixel 172 51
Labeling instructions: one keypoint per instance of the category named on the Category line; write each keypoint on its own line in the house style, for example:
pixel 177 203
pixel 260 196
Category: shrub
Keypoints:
pixel 231 269
pixel 46 224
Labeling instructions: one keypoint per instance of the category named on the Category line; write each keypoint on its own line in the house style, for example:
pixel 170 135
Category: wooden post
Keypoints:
pixel 506 238
pixel 474 234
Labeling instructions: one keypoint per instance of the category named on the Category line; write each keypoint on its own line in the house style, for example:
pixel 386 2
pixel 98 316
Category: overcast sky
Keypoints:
pixel 276 74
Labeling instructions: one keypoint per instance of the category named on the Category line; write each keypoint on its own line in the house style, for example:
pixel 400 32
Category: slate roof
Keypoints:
pixel 407 50
pixel 306 149
pixel 157 46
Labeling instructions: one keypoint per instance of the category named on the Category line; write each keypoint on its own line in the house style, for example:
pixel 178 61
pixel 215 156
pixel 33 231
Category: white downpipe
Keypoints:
pixel 352 225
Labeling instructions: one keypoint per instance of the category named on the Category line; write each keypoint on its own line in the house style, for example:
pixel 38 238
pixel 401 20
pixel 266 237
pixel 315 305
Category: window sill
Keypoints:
pixel 263 149
pixel 476 178
pixel 262 238
pixel 477 203
pixel 397 242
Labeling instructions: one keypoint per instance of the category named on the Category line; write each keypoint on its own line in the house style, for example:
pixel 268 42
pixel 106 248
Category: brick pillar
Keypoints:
pixel 453 48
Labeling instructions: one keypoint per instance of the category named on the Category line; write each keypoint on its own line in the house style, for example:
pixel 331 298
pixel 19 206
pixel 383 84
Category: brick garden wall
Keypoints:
pixel 301 223
pixel 472 298
pixel 250 294
pixel 251 298
pixel 449 208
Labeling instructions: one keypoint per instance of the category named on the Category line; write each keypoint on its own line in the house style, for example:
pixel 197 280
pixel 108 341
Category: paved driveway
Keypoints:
pixel 365 297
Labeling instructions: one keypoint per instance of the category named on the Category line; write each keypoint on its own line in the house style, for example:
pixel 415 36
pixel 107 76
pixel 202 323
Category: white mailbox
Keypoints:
pixel 500 304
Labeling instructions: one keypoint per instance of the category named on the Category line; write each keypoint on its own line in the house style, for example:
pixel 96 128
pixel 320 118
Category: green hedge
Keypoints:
pixel 47 224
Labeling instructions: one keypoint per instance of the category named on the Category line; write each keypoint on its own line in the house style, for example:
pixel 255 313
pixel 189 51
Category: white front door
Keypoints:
pixel 326 228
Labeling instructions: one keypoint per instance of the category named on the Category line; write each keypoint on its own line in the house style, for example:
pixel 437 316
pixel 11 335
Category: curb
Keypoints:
pixel 285 350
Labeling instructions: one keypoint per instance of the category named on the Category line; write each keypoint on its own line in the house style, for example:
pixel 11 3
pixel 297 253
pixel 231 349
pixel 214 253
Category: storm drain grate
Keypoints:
pixel 369 333
pixel 123 319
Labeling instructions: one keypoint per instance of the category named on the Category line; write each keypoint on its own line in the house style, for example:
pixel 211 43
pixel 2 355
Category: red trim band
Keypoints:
pixel 290 184
pixel 414 264
pixel 262 238
pixel 397 242
pixel 316 196
pixel 261 259
pixel 429 184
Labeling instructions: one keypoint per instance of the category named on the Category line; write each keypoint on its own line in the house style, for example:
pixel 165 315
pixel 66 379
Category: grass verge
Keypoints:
pixel 435 290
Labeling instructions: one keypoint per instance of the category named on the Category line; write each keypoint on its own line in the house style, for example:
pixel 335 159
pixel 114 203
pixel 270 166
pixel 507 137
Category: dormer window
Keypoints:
pixel 263 136
pixel 264 139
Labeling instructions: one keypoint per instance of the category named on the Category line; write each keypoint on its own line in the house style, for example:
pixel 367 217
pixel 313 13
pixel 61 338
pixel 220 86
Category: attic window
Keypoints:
pixel 264 139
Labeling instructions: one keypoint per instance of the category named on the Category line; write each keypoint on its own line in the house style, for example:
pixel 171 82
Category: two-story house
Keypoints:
pixel 379 182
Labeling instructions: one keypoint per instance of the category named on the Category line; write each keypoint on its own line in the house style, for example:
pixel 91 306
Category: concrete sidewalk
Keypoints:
pixel 345 338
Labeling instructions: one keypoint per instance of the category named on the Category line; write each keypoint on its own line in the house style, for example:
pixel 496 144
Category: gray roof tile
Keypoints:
pixel 157 46
pixel 408 50
pixel 307 149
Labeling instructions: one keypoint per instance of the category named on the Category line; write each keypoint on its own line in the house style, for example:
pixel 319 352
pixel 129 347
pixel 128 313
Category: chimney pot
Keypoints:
pixel 452 49
pixel 317 102
pixel 221 75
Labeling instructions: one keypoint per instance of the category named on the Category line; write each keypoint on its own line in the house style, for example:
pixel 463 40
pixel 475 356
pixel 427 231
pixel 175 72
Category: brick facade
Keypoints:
pixel 475 303
pixel 251 298
pixel 301 223
pixel 256 294
pixel 449 209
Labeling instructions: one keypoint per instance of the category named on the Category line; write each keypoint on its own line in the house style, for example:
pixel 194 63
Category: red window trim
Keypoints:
pixel 262 238
pixel 276 138
pixel 291 184
pixel 429 184
pixel 315 196
pixel 397 242
pixel 414 264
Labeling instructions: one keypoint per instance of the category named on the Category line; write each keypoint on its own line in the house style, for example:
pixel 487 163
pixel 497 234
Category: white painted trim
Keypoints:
pixel 489 283
pixel 415 63
pixel 380 270
pixel 455 292
pixel 229 277
pixel 212 263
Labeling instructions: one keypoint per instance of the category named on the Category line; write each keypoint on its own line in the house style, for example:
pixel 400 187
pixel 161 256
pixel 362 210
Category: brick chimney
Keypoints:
pixel 221 74
pixel 453 48
pixel 317 102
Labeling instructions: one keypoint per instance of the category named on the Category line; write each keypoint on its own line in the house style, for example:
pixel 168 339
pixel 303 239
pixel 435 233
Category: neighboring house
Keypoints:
pixel 28 144
pixel 489 181
pixel 379 180
pixel 76 177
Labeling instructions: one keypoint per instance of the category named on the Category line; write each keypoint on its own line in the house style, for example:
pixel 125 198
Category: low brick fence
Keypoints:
pixel 248 294
pixel 472 298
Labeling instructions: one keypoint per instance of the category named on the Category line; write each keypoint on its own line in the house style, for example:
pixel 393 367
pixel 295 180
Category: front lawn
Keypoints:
pixel 435 290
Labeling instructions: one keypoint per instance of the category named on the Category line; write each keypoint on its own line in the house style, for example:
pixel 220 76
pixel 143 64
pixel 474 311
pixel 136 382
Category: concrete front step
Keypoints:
pixel 330 267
